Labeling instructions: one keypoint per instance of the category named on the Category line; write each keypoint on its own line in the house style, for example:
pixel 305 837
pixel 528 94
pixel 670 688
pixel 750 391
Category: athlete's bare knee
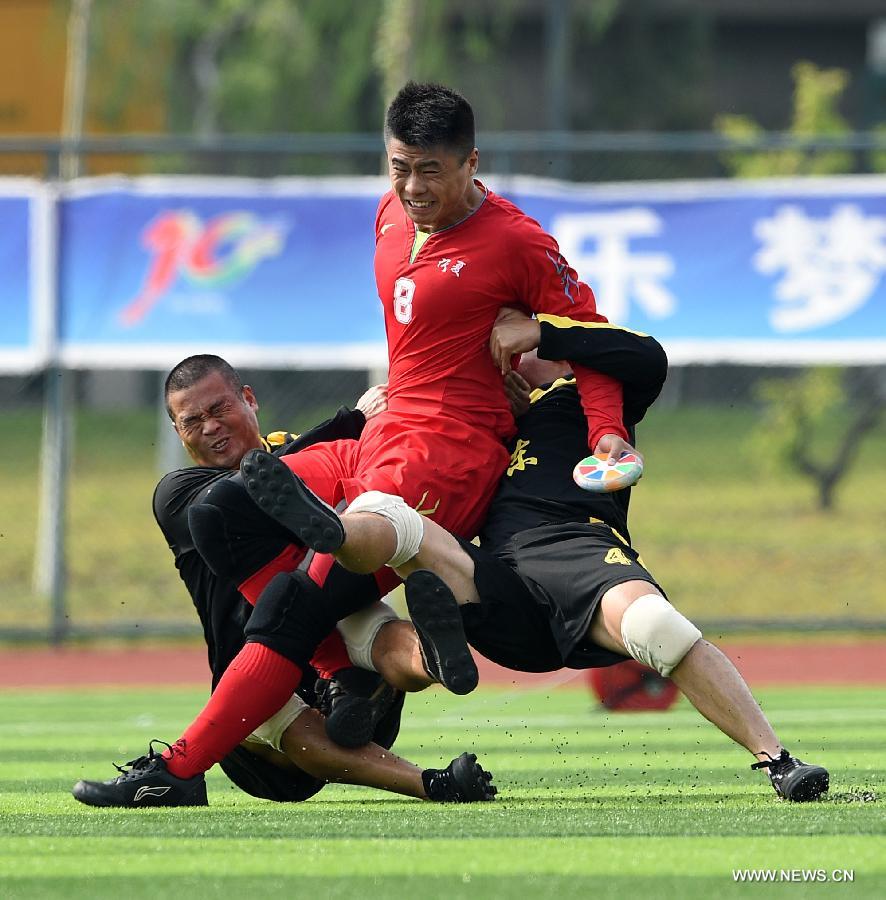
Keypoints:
pixel 442 554
pixel 370 540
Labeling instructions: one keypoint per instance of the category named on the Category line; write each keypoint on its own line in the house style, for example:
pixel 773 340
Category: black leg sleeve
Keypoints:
pixel 234 537
pixel 293 615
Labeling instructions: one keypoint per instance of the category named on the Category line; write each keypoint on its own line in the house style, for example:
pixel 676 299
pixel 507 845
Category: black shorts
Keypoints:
pixel 538 594
pixel 260 778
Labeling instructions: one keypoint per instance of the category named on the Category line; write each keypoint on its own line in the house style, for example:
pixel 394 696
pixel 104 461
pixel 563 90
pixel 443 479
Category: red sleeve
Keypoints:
pixel 546 283
pixel 601 399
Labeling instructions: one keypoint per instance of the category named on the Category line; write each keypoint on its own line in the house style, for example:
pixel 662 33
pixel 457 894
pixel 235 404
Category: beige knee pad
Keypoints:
pixel 408 524
pixel 656 635
pixel 359 631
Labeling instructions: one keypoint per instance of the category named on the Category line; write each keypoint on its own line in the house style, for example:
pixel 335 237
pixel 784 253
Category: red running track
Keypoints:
pixel 860 662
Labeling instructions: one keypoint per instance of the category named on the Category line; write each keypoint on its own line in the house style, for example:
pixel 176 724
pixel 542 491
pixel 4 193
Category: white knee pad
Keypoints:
pixel 271 731
pixel 655 634
pixel 359 631
pixel 408 524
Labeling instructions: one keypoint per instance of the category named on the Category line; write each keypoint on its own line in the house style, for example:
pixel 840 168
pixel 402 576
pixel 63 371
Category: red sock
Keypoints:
pixel 331 655
pixel 255 686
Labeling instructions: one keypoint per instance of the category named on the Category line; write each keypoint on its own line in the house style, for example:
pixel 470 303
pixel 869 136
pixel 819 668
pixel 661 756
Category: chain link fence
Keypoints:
pixel 575 156
pixel 726 517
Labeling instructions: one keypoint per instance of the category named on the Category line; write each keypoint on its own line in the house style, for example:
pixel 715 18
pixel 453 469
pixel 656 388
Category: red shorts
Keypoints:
pixel 443 468
pixel 449 474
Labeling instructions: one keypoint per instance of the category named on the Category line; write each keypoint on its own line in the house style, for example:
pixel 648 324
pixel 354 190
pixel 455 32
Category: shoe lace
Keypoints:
pixel 439 784
pixel 142 762
pixel 774 765
pixel 327 691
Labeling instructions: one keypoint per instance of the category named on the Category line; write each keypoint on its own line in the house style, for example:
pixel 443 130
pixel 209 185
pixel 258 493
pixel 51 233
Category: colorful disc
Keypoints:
pixel 594 473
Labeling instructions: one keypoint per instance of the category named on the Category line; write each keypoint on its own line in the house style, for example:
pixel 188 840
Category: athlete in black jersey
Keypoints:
pixel 556 581
pixel 222 610
pixel 556 575
pixel 290 757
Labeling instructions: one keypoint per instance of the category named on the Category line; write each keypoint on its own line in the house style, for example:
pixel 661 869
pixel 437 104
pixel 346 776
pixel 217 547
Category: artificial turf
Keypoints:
pixel 591 804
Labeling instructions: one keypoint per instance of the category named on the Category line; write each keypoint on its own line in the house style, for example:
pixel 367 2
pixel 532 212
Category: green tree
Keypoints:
pixel 812 423
pixel 242 65
pixel 260 66
pixel 809 426
pixel 817 93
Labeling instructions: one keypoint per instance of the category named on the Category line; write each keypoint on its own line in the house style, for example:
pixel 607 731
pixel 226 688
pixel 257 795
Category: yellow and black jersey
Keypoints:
pixel 537 487
pixel 637 360
pixel 345 424
pixel 276 440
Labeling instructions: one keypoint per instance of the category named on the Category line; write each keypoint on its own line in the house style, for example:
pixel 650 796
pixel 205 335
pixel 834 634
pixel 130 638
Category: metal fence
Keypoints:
pixel 740 557
pixel 577 156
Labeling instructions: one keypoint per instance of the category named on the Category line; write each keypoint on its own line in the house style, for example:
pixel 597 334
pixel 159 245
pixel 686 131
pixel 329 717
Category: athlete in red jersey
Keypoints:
pixel 440 445
pixel 440 304
pixel 449 256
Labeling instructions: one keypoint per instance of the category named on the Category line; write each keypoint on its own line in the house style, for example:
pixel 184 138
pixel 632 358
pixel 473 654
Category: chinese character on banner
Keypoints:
pixel 617 274
pixel 831 267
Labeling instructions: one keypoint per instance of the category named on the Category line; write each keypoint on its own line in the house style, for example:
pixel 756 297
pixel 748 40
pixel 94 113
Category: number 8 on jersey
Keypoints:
pixel 404 290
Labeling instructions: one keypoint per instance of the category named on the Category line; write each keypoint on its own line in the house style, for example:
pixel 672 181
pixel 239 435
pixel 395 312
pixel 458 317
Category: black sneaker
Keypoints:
pixel 438 624
pixel 147 782
pixel 354 702
pixel 793 779
pixel 464 780
pixel 286 498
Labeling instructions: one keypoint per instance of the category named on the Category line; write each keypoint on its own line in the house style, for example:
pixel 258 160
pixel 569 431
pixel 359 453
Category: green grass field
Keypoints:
pixel 592 805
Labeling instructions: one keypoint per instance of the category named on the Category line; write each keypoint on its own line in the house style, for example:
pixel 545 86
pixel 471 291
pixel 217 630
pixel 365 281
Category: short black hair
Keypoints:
pixel 431 115
pixel 195 368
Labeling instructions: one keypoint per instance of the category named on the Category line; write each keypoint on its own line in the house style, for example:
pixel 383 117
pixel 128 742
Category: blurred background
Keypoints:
pixel 764 502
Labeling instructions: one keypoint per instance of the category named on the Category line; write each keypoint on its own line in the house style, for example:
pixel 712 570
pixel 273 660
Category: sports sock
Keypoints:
pixel 255 686
pixel 331 655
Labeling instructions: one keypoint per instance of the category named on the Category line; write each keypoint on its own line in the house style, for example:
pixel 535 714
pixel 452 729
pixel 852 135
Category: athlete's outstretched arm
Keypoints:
pixel 304 744
pixel 633 358
pixel 543 282
pixel 637 360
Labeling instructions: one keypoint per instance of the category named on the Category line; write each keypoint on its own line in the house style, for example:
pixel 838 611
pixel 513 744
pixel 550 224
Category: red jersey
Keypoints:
pixel 440 308
pixel 440 445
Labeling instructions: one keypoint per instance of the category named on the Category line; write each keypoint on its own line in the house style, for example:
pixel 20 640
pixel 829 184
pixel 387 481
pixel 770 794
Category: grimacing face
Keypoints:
pixel 216 424
pixel 434 185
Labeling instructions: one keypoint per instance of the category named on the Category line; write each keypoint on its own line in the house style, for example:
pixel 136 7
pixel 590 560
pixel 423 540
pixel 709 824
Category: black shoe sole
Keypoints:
pixel 353 719
pixel 437 622
pixel 286 498
pixel 102 794
pixel 474 784
pixel 810 787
